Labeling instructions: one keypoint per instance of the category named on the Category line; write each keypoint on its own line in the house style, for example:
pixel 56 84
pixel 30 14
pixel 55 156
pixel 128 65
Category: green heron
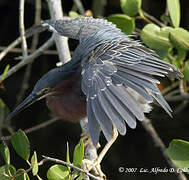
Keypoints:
pixel 110 78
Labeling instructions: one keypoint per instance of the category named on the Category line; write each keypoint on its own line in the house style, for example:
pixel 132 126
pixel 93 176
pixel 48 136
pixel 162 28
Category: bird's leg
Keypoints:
pixel 86 139
pixel 95 165
pixel 92 160
pixel 107 146
pixel 85 132
pixel 90 151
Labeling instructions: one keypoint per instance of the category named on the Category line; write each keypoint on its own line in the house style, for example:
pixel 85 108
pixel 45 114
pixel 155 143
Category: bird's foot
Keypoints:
pixel 86 139
pixel 94 167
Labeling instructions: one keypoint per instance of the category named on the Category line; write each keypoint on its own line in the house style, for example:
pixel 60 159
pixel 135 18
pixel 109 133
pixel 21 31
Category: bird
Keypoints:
pixel 111 78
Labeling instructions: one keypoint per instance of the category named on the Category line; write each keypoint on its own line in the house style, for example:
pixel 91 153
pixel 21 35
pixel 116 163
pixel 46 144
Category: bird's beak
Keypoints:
pixel 27 102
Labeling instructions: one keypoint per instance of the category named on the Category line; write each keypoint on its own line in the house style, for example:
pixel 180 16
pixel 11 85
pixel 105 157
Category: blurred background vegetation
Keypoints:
pixel 136 149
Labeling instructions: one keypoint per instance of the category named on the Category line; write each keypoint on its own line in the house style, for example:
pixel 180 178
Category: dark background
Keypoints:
pixel 136 149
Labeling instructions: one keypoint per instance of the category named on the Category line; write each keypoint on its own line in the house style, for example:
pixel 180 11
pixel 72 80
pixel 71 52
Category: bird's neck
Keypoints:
pixel 81 28
pixel 71 83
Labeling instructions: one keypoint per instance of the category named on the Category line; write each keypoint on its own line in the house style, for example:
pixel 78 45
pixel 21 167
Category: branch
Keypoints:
pixel 20 174
pixel 36 21
pixel 80 7
pixel 144 17
pixel 72 166
pixel 35 40
pixel 21 28
pixel 55 8
pixel 42 125
pixel 180 97
pixel 29 58
pixel 169 88
pixel 34 128
pixel 152 18
pixel 150 129
pixel 29 32
pixel 19 50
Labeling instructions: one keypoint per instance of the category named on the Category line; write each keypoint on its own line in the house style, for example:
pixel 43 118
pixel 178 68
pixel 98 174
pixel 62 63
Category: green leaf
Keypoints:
pixel 34 164
pixel 67 154
pixel 156 38
pixel 181 55
pixel 3 177
pixel 130 7
pixel 21 144
pixel 23 176
pixel 123 22
pixel 58 172
pixel 5 153
pixel 74 14
pixel 174 11
pixel 178 151
pixel 3 173
pixel 78 154
pixel 4 111
pixel 176 63
pixel 165 18
pixel 186 70
pixel 5 72
pixel 80 177
pixel 179 37
pixel 7 171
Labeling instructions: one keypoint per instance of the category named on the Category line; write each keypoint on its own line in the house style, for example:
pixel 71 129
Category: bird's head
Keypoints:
pixel 44 87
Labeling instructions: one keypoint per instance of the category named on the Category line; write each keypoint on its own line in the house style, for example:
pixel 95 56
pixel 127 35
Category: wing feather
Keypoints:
pixel 102 118
pixel 138 88
pixel 94 128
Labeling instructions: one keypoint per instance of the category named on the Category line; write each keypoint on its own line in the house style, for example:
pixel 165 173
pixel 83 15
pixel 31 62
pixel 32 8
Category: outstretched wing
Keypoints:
pixel 107 103
pixel 111 68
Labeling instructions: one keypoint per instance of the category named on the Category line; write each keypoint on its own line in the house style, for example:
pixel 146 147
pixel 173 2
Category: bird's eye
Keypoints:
pixel 43 91
pixel 46 90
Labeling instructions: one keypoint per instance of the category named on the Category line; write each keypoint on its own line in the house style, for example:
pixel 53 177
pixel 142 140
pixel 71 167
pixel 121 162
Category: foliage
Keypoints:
pixel 178 152
pixel 21 145
pixel 165 37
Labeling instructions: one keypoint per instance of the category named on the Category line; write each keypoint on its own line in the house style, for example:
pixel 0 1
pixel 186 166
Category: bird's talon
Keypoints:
pixel 90 165
pixel 86 139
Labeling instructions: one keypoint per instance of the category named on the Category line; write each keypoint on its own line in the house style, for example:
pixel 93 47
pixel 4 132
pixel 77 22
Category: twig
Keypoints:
pixel 55 8
pixel 29 33
pixel 42 125
pixel 20 174
pixel 8 48
pixel 150 129
pixel 36 21
pixel 178 98
pixel 29 58
pixel 35 39
pixel 152 18
pixel 98 7
pixel 80 6
pixel 137 31
pixel 72 166
pixel 167 14
pixel 19 50
pixel 140 11
pixel 180 107
pixel 21 28
pixel 183 92
pixel 34 128
pixel 169 88
pixel 27 170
